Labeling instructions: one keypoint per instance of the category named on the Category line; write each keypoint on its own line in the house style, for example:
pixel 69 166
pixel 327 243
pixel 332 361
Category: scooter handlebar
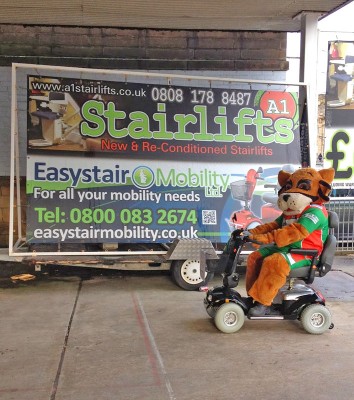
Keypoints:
pixel 246 237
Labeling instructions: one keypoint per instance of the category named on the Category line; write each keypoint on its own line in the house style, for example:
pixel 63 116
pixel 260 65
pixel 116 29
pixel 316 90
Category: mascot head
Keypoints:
pixel 303 187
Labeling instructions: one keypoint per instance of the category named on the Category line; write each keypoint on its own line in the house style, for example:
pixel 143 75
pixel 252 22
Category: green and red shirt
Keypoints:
pixel 314 218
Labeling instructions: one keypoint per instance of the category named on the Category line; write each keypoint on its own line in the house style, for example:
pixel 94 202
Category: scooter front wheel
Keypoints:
pixel 316 319
pixel 229 318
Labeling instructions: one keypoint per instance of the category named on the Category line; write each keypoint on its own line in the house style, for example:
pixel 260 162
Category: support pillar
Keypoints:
pixel 308 74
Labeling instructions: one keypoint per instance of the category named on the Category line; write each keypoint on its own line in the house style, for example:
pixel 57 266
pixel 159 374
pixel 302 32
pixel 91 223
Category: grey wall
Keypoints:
pixel 245 55
pixel 143 48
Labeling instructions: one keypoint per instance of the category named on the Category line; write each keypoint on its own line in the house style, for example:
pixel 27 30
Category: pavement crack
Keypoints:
pixel 66 340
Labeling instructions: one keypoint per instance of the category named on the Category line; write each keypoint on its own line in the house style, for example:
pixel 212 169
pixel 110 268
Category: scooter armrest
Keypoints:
pixel 305 252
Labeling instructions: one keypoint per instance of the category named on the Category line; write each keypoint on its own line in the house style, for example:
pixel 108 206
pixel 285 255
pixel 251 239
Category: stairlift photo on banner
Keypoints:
pixel 112 161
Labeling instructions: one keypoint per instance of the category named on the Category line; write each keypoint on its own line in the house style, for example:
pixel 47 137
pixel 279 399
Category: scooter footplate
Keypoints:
pixel 269 317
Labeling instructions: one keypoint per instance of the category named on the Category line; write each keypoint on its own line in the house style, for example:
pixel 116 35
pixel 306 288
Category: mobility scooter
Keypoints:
pixel 295 301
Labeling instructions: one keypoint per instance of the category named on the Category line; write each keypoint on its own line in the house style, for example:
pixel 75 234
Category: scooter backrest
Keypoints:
pixel 333 220
pixel 326 259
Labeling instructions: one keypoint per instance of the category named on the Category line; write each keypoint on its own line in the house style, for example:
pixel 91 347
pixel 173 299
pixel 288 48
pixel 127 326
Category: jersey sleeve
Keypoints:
pixel 313 219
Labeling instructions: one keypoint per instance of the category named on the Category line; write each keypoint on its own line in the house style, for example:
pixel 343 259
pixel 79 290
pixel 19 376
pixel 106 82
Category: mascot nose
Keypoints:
pixel 286 197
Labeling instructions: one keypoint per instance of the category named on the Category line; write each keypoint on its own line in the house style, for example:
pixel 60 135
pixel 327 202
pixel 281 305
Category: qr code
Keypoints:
pixel 209 217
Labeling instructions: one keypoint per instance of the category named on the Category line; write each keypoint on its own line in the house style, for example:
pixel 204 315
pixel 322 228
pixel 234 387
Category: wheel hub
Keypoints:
pixel 191 272
pixel 317 320
pixel 230 318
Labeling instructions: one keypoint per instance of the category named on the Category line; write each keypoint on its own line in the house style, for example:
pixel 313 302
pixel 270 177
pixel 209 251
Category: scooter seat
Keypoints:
pixel 300 273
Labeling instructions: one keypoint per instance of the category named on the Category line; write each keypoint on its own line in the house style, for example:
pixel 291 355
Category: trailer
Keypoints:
pixel 136 170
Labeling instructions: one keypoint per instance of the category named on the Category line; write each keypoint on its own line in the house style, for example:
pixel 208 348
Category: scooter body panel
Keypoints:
pixel 218 296
pixel 294 301
pixel 291 309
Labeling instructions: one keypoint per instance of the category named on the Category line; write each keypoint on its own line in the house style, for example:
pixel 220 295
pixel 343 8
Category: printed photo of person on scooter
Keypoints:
pixel 242 190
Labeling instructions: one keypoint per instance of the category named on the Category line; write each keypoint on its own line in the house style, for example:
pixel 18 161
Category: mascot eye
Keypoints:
pixel 304 185
pixel 288 185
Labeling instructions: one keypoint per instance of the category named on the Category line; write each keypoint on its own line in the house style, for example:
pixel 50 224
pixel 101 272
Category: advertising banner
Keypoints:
pixel 339 129
pixel 135 162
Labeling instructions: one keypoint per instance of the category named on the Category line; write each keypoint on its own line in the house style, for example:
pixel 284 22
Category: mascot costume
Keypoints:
pixel 303 224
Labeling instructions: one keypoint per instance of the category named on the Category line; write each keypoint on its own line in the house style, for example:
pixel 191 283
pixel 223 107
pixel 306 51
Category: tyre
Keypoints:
pixel 316 319
pixel 229 318
pixel 186 274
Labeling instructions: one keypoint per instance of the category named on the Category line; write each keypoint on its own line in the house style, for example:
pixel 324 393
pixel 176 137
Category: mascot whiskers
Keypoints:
pixel 302 224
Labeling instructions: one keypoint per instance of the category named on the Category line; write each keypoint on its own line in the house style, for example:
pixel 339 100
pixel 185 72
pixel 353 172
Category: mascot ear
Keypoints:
pixel 327 174
pixel 324 186
pixel 283 177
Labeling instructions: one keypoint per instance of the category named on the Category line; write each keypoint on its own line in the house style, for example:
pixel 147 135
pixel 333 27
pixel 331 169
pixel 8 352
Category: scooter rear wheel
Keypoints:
pixel 316 319
pixel 229 318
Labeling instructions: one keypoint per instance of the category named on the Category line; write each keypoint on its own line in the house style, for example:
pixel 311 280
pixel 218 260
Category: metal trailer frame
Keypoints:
pixel 201 249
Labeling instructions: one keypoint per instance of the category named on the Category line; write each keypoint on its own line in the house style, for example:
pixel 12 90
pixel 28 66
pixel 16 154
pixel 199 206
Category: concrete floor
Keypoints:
pixel 131 336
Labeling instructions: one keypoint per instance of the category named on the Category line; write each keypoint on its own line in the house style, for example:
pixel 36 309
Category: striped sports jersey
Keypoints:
pixel 314 219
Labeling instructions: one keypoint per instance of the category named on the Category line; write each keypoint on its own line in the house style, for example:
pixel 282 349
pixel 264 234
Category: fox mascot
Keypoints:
pixel 302 224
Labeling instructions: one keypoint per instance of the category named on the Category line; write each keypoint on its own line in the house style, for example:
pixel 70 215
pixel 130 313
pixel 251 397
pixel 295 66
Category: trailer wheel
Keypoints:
pixel 186 274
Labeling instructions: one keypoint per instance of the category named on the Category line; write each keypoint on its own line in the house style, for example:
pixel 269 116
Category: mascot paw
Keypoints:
pixel 263 238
